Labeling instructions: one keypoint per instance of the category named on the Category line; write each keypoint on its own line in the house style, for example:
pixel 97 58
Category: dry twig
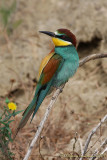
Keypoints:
pixel 91 134
pixel 105 150
pixel 54 98
pixel 95 154
pixel 81 146
pixel 92 57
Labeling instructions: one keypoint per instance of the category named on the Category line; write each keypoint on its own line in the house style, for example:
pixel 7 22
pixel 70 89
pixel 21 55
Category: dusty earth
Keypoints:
pixel 84 99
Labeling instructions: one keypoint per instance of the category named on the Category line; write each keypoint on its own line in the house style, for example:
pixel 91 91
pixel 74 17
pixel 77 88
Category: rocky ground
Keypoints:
pixel 84 99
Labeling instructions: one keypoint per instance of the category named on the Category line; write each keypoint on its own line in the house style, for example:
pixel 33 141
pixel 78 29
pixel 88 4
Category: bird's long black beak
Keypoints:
pixel 48 33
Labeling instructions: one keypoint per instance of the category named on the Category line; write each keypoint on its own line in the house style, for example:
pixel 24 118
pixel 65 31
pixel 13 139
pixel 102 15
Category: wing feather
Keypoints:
pixel 50 69
pixel 44 62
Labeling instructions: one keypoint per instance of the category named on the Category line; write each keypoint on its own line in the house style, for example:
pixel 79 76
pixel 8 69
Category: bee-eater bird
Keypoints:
pixel 56 68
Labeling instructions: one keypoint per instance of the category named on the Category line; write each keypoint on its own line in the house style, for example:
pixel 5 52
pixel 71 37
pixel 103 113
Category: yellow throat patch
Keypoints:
pixel 59 42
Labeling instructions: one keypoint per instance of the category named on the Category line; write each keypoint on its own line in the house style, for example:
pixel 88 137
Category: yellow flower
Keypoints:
pixel 12 106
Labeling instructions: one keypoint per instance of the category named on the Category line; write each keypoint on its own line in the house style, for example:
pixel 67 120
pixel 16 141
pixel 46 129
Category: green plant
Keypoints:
pixel 5 130
pixel 8 23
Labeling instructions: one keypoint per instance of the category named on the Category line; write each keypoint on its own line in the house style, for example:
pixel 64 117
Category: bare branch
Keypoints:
pixel 91 134
pixel 81 146
pixel 54 98
pixel 98 149
pixel 92 57
pixel 105 150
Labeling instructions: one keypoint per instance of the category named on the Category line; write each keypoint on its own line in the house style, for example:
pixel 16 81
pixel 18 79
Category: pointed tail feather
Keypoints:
pixel 42 94
pixel 29 110
pixel 27 113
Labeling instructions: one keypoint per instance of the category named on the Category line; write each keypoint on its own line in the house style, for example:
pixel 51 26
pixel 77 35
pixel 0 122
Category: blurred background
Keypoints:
pixel 84 99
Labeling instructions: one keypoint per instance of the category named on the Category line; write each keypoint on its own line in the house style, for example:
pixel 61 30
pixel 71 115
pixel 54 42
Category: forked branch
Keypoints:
pixel 97 151
pixel 90 136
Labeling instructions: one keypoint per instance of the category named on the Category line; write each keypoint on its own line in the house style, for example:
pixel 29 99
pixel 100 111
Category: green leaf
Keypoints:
pixel 7 100
pixel 2 128
pixel 5 14
pixel 2 122
pixel 13 7
pixel 16 24
pixel 9 137
pixel 7 118
pixel 8 112
pixel 10 121
pixel 9 129
pixel 15 113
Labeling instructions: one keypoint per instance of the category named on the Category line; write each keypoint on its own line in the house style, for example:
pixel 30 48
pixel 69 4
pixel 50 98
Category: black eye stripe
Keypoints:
pixel 64 37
